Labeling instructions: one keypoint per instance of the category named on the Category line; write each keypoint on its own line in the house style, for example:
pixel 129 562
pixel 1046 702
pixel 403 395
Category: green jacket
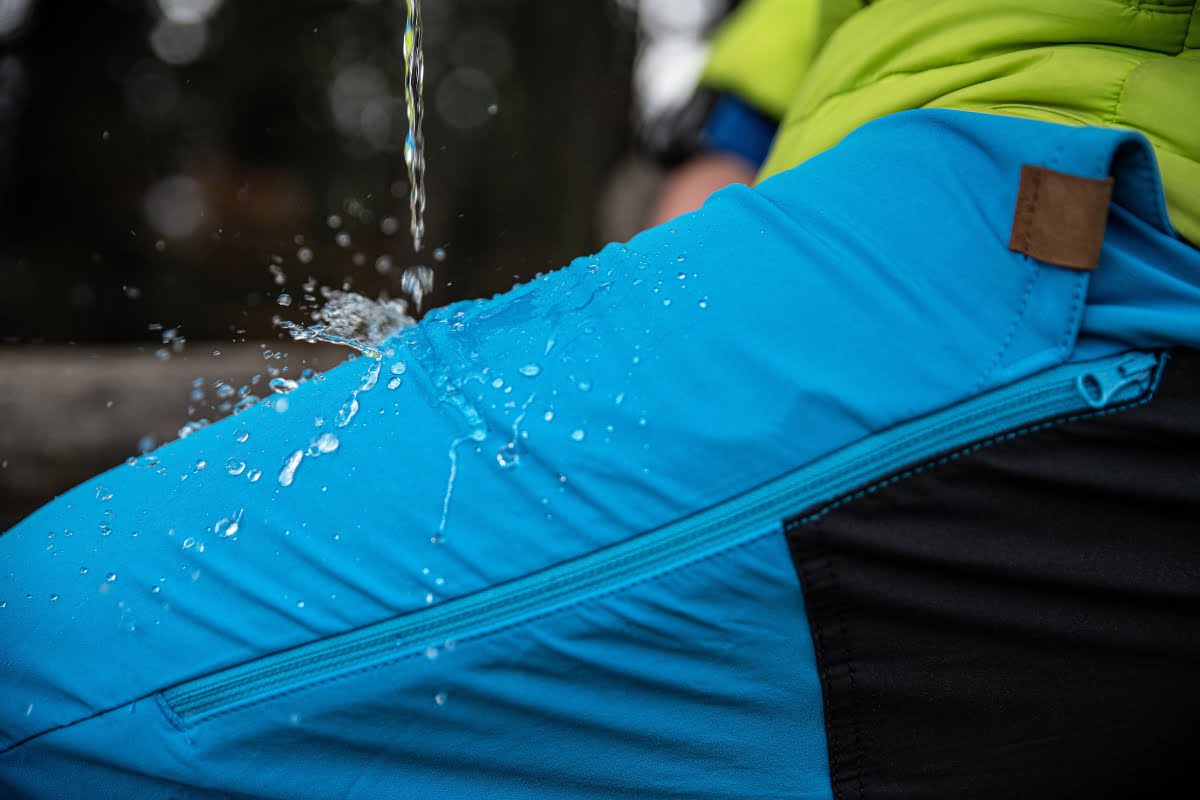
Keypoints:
pixel 825 67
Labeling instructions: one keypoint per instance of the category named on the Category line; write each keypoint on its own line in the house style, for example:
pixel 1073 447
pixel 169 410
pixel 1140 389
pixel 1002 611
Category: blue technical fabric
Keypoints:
pixel 734 126
pixel 867 287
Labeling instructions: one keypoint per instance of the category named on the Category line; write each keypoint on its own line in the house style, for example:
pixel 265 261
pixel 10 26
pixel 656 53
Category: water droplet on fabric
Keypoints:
pixel 508 456
pixel 235 467
pixel 327 443
pixel 440 698
pixel 103 495
pixel 282 385
pixel 578 434
pixel 394 383
pixel 110 577
pixel 253 475
pixel 83 570
pixel 288 473
pixel 531 370
pixel 240 436
pixel 371 378
pixel 347 411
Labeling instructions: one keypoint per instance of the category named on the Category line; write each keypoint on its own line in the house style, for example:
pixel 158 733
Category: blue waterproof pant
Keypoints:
pixel 537 549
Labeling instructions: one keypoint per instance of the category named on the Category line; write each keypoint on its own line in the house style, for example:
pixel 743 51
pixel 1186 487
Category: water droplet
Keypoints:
pixel 253 475
pixel 229 526
pixel 439 254
pixel 578 434
pixel 300 604
pixel 343 239
pixel 531 370
pixel 548 416
pixel 282 385
pixel 439 698
pixel 431 653
pixel 155 589
pixel 347 412
pixel 29 709
pixel 327 443
pixel 394 383
pixel 703 303
pixel 189 543
pixel 288 473
pixel 508 456
pixel 428 598
pixel 304 255
pixel 334 221
pixel 683 275
pixel 284 299
pixel 399 368
pixel 53 597
pixel 83 570
pixel 496 384
pixel 235 467
pixel 667 302
pixel 110 577
pixel 240 436
pixel 200 465
pixel 372 377
pixel 102 494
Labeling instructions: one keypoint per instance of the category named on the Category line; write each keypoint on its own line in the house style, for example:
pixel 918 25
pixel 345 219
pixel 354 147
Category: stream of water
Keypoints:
pixel 414 101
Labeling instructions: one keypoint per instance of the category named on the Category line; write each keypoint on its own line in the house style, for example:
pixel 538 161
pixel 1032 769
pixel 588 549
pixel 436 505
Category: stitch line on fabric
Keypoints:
pixel 820 649
pixel 856 706
pixel 1074 317
pixel 1010 336
pixel 957 454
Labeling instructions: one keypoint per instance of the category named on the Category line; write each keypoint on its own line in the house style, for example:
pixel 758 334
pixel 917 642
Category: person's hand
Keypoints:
pixel 689 185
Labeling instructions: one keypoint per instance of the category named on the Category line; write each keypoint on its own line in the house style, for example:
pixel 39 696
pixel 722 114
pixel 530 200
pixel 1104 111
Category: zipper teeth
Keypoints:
pixel 1053 394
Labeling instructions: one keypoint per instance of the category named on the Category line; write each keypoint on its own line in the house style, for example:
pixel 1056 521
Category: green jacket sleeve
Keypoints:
pixel 763 51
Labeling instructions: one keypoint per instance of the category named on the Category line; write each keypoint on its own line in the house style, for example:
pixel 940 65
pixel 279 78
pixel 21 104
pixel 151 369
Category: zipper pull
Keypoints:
pixel 1100 387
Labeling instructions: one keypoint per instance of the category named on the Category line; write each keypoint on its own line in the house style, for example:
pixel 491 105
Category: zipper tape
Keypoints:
pixel 1057 392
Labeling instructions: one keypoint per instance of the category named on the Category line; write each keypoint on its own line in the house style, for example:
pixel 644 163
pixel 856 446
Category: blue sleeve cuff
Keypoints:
pixel 735 127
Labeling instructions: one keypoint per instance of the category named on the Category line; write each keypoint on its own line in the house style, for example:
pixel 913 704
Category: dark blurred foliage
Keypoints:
pixel 138 191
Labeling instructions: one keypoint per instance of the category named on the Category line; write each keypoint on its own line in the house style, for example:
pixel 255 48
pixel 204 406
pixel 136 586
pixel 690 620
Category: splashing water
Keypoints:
pixel 414 101
pixel 353 320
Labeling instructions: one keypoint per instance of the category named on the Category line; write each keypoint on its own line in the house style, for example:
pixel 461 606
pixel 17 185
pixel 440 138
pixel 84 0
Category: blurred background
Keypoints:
pixel 179 176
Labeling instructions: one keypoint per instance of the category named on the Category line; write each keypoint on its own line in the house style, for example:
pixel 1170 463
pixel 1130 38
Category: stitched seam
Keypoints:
pixel 958 454
pixel 820 648
pixel 855 704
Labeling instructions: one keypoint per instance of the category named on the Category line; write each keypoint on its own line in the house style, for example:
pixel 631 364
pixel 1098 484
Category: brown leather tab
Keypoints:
pixel 1060 218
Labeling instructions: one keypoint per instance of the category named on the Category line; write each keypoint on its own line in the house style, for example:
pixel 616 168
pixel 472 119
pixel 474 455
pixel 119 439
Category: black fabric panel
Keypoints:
pixel 1022 621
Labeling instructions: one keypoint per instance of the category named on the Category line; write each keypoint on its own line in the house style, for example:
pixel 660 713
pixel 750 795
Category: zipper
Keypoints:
pixel 1055 393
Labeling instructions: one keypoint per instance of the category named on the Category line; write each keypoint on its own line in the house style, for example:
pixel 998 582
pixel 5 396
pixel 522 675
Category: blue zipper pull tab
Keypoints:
pixel 1101 387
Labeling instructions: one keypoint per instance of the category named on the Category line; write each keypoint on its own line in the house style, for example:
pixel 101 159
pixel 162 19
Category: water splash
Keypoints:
pixel 414 102
pixel 353 320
